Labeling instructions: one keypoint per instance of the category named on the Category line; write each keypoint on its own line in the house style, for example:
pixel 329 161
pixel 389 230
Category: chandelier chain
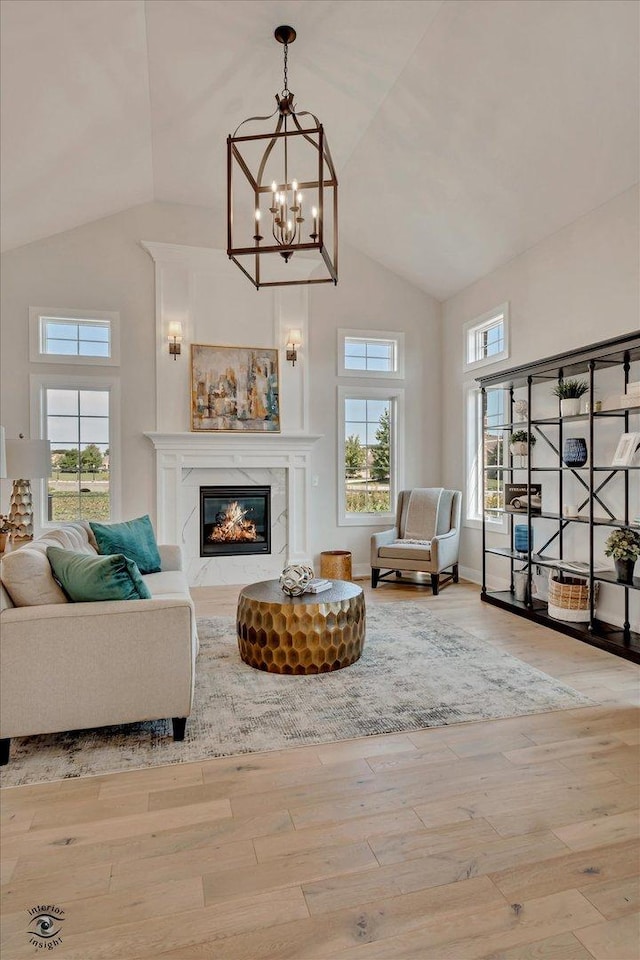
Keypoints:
pixel 285 90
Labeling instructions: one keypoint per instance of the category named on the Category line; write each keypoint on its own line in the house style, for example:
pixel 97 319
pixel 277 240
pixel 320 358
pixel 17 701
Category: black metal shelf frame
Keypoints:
pixel 592 478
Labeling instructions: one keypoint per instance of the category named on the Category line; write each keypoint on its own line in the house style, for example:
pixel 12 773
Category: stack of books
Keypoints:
pixel 318 586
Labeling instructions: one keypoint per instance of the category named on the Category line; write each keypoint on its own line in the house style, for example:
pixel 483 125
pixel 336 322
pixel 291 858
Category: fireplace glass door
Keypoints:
pixel 235 520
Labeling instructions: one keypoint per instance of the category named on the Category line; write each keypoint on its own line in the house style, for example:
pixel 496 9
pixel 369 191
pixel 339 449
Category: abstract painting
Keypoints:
pixel 234 389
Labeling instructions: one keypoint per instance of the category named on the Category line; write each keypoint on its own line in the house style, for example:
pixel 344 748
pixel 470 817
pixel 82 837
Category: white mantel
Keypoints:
pixel 177 453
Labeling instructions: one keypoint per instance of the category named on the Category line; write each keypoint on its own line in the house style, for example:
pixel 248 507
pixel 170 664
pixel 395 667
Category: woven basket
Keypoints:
pixel 569 598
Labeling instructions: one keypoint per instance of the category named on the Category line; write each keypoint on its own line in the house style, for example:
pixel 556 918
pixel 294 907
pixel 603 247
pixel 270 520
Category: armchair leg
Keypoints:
pixel 179 724
pixel 434 583
pixel 5 747
pixel 456 577
pixel 375 575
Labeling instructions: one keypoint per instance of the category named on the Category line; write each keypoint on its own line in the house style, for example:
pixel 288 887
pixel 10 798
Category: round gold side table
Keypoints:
pixel 314 633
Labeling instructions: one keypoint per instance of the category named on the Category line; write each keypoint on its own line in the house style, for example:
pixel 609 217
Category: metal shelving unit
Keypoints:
pixel 593 479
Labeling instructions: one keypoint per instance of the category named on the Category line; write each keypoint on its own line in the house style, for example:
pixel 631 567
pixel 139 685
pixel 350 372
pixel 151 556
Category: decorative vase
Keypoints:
pixel 519 448
pixel 521 586
pixel 570 407
pixel 624 570
pixel 521 537
pixel 574 452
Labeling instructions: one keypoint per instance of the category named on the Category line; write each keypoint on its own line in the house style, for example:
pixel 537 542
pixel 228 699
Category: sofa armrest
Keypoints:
pixel 380 540
pixel 445 549
pixel 170 556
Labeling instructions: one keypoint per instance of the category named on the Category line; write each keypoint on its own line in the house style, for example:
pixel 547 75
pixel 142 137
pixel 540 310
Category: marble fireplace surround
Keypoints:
pixel 185 461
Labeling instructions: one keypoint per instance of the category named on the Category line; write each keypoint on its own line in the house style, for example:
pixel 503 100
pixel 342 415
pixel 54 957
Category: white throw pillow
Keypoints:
pixel 27 578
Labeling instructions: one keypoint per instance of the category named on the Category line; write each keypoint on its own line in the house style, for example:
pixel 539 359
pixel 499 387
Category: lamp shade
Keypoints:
pixel 3 455
pixel 28 459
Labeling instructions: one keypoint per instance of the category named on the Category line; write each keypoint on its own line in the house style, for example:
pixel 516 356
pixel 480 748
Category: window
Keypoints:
pixel 495 457
pixel 369 353
pixel 369 454
pixel 71 336
pixel 486 339
pixel 79 417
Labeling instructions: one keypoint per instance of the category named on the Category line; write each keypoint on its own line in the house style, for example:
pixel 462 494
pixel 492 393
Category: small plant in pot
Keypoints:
pixel 518 442
pixel 5 529
pixel 624 546
pixel 569 393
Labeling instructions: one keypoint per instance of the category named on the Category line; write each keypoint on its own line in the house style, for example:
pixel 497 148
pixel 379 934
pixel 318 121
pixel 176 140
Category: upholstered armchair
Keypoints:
pixel 425 539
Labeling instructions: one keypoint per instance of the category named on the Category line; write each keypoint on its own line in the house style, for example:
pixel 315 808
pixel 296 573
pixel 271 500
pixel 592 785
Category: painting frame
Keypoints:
pixel 626 450
pixel 234 389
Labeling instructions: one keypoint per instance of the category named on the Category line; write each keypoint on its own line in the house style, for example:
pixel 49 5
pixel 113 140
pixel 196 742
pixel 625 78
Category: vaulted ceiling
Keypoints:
pixel 464 131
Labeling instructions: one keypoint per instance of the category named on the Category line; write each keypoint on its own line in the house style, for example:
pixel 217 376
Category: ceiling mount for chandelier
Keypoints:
pixel 282 195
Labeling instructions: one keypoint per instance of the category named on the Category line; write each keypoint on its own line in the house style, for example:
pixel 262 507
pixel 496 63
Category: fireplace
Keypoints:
pixel 235 520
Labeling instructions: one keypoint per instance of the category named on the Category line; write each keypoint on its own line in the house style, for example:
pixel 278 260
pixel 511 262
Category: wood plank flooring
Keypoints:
pixel 505 840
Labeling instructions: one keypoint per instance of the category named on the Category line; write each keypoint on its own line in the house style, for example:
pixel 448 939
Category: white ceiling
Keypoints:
pixel 464 131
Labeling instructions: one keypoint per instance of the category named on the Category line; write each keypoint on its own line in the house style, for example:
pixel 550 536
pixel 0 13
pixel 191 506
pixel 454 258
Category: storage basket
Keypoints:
pixel 569 598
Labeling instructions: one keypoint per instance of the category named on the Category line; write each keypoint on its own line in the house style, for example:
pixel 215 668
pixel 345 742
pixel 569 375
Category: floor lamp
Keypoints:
pixel 27 460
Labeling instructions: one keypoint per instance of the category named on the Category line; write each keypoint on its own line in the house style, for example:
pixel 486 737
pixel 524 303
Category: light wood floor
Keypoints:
pixel 505 839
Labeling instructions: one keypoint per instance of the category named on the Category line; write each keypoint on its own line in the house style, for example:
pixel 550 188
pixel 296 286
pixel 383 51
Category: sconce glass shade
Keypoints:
pixel 175 339
pixel 295 338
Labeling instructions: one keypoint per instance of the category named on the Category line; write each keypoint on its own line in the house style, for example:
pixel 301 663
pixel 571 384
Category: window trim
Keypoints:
pixel 484 320
pixel 38 384
pixel 471 459
pixel 38 314
pixel 396 394
pixel 393 336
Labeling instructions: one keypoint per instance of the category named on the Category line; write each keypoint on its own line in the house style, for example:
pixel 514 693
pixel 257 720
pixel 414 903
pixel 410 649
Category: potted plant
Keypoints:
pixel 624 546
pixel 569 392
pixel 520 441
pixel 5 530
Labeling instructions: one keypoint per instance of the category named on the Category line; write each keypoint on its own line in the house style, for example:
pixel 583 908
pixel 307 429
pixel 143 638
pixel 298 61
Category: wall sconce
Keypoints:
pixel 175 339
pixel 293 343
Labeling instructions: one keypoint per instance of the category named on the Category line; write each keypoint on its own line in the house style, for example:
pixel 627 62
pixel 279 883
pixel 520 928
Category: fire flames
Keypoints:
pixel 232 526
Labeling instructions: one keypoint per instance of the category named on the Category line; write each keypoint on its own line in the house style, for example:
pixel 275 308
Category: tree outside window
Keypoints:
pixel 367 455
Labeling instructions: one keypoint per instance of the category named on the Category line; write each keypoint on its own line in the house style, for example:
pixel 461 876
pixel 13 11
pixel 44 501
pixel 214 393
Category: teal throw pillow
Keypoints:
pixel 134 538
pixel 85 578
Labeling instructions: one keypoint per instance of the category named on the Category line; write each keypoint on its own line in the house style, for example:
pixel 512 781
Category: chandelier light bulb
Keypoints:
pixel 299 198
pixel 294 185
pixel 274 187
pixel 257 216
pixel 314 211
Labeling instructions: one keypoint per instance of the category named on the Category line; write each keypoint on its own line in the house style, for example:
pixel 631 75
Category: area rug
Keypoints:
pixel 416 671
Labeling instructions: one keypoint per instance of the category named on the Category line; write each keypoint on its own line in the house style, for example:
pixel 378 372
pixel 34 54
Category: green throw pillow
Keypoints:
pixel 85 578
pixel 134 538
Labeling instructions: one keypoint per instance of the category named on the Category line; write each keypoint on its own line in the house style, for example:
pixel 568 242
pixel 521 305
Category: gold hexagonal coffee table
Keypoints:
pixel 314 633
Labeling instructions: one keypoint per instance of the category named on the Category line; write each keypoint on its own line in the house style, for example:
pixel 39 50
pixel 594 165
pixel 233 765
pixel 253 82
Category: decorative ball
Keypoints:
pixel 295 579
pixel 521 410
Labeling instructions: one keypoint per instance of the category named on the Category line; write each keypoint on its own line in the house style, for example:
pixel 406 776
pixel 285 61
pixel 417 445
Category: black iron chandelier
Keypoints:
pixel 282 196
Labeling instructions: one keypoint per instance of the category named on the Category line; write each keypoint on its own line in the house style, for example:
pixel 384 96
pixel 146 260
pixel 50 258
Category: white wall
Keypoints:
pixel 103 266
pixel 574 288
pixel 370 297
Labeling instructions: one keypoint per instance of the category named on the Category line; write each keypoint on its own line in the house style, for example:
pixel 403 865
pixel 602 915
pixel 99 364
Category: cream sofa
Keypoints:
pixel 69 666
